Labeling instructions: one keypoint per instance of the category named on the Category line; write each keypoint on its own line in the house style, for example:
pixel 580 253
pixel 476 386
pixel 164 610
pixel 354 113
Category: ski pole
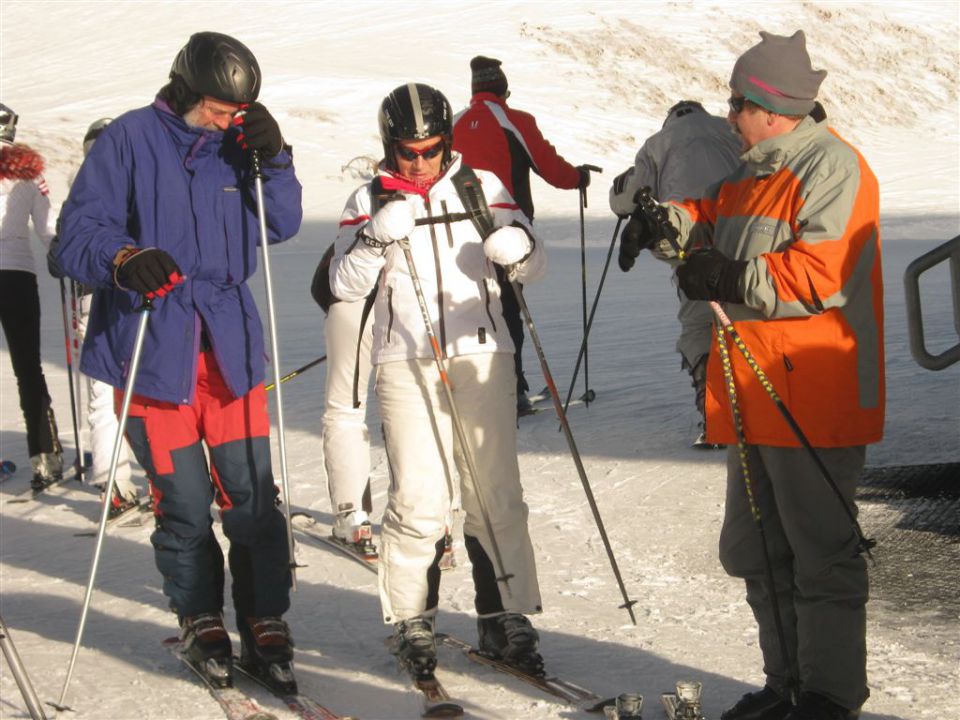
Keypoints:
pixel 20 673
pixel 658 214
pixel 257 169
pixel 593 309
pixel 588 395
pixel 75 288
pixel 503 576
pixel 555 395
pixel 293 374
pixel 794 682
pixel 108 492
pixel 864 544
pixel 67 342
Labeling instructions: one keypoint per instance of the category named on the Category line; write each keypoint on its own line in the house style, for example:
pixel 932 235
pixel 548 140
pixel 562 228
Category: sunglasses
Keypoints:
pixel 736 104
pixel 427 153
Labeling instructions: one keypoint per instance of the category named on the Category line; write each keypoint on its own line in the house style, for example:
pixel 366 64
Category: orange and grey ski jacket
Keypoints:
pixel 803 209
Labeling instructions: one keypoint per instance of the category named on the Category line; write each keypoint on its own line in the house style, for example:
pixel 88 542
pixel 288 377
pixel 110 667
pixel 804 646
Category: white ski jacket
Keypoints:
pixel 23 201
pixel 459 283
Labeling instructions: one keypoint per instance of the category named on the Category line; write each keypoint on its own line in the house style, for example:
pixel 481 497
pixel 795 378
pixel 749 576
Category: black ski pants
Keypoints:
pixel 20 315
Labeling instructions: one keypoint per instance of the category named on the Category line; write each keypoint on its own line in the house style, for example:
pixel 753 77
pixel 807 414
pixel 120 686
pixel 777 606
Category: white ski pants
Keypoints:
pixel 424 452
pixel 102 422
pixel 346 440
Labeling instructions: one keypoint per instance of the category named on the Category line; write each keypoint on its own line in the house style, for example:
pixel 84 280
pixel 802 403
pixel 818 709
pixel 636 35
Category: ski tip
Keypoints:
pixel 443 710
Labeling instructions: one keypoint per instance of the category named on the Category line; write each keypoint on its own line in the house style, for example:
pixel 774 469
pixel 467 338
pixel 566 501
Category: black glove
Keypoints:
pixel 641 233
pixel 584 177
pixel 259 130
pixel 151 272
pixel 711 275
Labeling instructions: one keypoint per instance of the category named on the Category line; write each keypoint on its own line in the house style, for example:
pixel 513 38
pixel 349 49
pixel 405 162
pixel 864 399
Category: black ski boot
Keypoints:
pixel 511 638
pixel 267 652
pixel 765 704
pixel 415 646
pixel 206 646
pixel 813 706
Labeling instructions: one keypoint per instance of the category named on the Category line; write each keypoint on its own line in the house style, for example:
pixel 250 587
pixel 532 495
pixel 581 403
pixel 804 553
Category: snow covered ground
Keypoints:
pixel 599 77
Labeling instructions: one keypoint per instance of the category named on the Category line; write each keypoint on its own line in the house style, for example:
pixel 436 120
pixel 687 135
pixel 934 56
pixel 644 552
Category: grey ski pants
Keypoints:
pixel 821 582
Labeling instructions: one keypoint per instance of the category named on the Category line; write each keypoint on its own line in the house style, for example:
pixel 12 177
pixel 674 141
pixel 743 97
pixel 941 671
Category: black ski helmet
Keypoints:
pixel 8 124
pixel 220 66
pixel 93 132
pixel 414 112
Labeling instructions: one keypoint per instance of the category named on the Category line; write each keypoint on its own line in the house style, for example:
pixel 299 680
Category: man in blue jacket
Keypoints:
pixel 164 207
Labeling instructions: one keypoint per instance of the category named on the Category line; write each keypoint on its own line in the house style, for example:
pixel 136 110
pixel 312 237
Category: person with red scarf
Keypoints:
pixel 413 203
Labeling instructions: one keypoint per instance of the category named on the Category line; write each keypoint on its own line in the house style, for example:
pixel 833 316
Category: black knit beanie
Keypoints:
pixel 487 76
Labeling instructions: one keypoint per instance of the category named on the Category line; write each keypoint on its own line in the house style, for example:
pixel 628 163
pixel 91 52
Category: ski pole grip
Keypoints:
pixel 592 168
pixel 256 164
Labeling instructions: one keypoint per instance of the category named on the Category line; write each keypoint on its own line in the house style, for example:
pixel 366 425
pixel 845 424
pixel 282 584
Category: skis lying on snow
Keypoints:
pixel 566 691
pixel 542 401
pixel 304 706
pixel 236 704
pixel 133 516
pixel 32 494
pixel 308 525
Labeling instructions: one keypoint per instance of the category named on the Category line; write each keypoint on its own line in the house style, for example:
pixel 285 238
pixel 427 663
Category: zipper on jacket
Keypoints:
pixel 787 363
pixel 389 314
pixel 439 274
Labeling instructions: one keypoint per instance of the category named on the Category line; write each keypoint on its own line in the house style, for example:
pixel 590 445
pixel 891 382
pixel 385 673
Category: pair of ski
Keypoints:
pixel 32 493
pixel 541 401
pixel 238 705
pixel 132 516
pixel 308 525
pixel 438 703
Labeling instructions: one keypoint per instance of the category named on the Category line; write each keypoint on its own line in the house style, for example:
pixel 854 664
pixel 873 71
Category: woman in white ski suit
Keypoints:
pixel 463 300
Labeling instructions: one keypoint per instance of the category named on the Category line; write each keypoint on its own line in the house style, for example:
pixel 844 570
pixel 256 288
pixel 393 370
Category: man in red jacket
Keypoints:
pixel 507 142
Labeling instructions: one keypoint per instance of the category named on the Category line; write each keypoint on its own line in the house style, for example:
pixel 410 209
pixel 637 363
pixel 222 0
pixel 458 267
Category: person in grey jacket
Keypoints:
pixel 692 150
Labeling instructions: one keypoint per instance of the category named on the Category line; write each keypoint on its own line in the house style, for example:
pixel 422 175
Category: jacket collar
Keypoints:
pixel 768 156
pixel 192 142
pixel 482 97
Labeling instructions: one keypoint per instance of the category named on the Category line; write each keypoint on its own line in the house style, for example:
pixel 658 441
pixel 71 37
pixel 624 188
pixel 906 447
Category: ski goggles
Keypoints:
pixel 427 153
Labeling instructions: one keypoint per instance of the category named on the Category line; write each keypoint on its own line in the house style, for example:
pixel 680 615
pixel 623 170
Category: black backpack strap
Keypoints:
pixel 474 202
pixel 367 307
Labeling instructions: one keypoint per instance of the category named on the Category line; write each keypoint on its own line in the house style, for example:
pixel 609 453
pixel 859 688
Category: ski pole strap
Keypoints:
pixel 468 190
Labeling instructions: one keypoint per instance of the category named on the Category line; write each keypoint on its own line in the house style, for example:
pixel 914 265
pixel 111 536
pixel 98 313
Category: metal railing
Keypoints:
pixel 950 250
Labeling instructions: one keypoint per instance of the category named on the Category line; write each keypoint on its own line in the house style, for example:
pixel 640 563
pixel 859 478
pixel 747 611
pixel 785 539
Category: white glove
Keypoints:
pixel 507 246
pixel 394 221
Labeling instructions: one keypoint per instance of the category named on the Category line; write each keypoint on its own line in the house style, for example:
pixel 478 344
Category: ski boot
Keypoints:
pixel 415 646
pixel 524 406
pixel 120 505
pixel 511 638
pixel 47 470
pixel 764 704
pixel 355 531
pixel 206 646
pixel 813 706
pixel 267 652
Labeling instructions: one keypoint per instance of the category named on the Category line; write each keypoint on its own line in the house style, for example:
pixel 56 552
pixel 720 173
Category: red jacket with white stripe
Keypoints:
pixel 507 142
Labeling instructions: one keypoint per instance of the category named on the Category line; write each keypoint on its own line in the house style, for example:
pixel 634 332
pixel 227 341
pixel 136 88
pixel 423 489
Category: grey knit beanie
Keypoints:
pixel 777 74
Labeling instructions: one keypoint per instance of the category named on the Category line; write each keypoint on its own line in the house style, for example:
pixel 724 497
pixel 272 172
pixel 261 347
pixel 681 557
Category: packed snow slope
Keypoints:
pixel 599 77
